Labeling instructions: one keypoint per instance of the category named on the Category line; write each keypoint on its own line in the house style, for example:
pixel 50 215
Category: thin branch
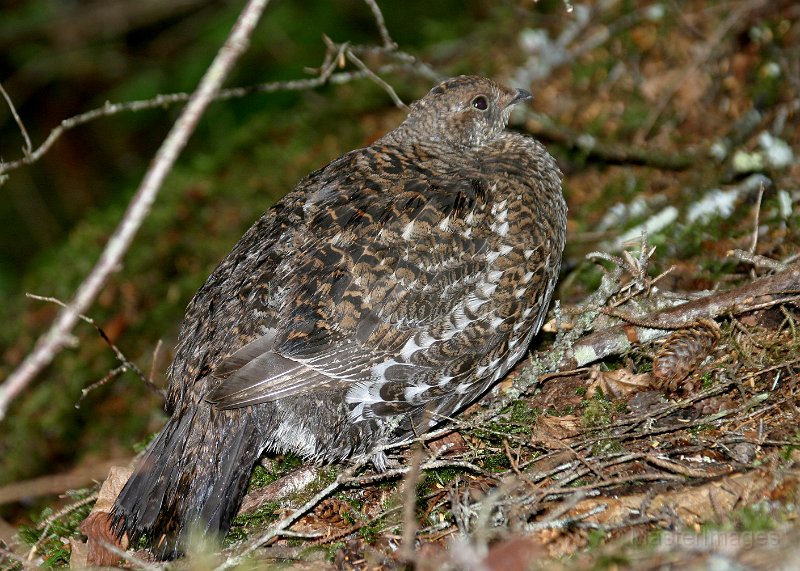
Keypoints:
pixel 49 344
pixel 749 297
pixel 27 148
pixel 335 56
pixel 125 364
pixel 129 557
pixel 377 79
pixel 277 529
pixel 388 43
pixel 403 61
pixel 410 483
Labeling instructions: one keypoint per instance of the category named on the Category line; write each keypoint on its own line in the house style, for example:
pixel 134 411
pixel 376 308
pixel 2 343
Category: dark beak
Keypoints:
pixel 522 95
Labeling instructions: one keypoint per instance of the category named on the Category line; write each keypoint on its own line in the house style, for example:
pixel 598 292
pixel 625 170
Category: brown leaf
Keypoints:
pixel 78 554
pixel 619 384
pixel 97 526
pixel 454 443
pixel 551 430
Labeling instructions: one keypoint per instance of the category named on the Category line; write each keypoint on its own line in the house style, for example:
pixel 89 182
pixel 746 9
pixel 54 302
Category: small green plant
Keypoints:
pixel 51 533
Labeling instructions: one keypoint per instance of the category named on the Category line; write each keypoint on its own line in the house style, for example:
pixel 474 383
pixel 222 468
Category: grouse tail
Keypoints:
pixel 191 479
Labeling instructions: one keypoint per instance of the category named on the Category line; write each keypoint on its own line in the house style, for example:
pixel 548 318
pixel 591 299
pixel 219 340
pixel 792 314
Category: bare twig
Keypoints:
pixel 376 78
pixel 125 364
pixel 135 562
pixel 108 377
pixel 51 343
pixel 153 364
pixel 677 468
pixel 410 483
pixel 757 260
pixel 279 489
pixel 619 338
pixel 28 147
pixel 334 56
pixel 277 529
pixel 166 100
pixel 388 43
pixel 756 218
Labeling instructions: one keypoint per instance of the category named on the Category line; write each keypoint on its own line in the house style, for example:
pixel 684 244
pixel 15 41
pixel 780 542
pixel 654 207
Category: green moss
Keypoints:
pixel 260 477
pixel 786 451
pixel 259 519
pixel 440 476
pixel 370 532
pixel 53 541
pixel 595 538
pixel 142 445
pixel 597 411
pixel 520 412
pixel 276 467
pixel 696 431
pixel 754 518
pixel 495 462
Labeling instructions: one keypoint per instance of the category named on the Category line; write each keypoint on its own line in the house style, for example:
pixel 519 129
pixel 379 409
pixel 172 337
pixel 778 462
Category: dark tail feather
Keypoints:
pixel 192 477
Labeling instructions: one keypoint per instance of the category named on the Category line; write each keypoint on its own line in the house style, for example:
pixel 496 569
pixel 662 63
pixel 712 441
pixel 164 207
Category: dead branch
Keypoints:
pixel 26 150
pixel 58 483
pixel 281 488
pixel 620 338
pixel 388 43
pixel 334 58
pixel 51 343
pixel 410 483
pixel 276 530
pixel 326 76
pixel 125 364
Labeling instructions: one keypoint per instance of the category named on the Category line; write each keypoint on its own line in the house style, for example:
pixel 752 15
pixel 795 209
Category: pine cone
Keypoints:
pixel 682 352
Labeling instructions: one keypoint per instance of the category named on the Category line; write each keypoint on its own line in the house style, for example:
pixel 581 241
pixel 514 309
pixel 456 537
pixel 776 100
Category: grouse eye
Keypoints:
pixel 480 103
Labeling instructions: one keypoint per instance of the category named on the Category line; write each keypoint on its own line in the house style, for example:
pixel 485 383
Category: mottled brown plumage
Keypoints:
pixel 406 276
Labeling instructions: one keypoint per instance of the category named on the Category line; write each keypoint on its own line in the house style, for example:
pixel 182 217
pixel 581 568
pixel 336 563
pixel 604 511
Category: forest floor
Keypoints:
pixel 656 424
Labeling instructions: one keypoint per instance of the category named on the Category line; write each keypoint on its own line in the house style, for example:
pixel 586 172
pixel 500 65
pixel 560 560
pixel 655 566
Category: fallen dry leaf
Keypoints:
pixel 619 384
pixel 97 526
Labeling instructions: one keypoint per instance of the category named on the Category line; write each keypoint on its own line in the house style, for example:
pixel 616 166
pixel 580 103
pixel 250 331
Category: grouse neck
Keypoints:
pixel 408 132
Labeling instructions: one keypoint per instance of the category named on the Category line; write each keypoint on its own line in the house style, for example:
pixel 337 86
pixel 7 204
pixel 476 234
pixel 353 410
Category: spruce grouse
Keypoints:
pixel 389 289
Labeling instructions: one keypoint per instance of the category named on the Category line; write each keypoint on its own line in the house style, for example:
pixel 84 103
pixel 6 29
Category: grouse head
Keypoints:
pixel 465 111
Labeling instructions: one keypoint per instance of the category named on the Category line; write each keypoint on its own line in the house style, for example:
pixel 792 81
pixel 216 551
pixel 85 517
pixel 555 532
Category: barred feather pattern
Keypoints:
pixel 389 289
